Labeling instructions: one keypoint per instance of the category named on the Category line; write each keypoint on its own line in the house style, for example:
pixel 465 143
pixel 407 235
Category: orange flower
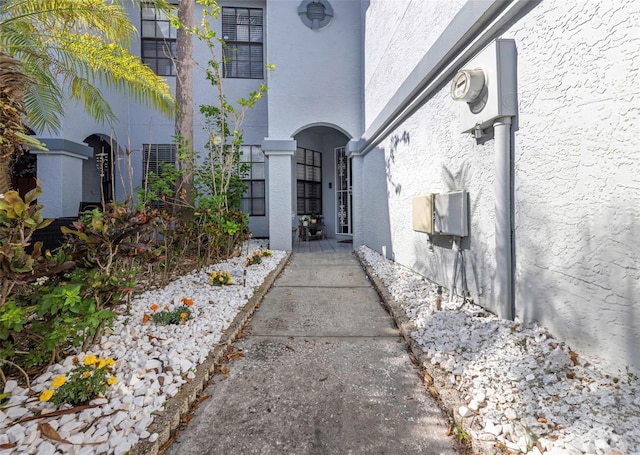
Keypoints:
pixel 183 315
pixel 145 318
pixel 187 301
pixel 154 307
pixel 86 374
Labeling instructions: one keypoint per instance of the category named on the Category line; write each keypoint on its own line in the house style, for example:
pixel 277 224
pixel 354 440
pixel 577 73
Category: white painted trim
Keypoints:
pixel 59 153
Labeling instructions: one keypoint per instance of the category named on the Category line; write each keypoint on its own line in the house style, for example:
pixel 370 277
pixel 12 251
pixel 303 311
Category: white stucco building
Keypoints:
pixel 359 120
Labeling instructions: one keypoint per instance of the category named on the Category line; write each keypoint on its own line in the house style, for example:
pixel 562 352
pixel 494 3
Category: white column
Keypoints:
pixel 357 215
pixel 60 175
pixel 279 155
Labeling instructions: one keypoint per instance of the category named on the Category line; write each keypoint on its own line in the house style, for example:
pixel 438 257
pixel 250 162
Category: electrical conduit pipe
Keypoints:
pixel 503 202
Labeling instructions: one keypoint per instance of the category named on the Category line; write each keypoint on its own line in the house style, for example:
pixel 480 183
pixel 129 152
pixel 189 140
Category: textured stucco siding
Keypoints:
pixel 577 181
pixel 576 171
pixel 398 33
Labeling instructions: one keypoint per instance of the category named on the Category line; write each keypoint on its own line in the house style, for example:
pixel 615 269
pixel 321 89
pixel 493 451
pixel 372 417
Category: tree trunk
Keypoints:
pixel 13 81
pixel 184 96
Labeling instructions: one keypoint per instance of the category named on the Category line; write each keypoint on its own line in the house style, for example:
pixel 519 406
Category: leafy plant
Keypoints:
pixel 167 316
pixel 220 278
pixel 463 436
pixel 256 257
pixel 18 220
pixel 88 380
pixel 178 315
pixel 100 242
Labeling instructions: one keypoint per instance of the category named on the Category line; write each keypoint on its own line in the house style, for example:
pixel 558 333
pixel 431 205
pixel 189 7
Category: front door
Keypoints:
pixel 344 196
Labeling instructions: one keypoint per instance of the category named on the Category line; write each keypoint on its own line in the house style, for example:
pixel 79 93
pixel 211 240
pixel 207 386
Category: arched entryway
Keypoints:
pixel 322 178
pixel 97 171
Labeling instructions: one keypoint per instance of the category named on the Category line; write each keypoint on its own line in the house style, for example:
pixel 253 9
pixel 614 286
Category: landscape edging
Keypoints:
pixel 436 381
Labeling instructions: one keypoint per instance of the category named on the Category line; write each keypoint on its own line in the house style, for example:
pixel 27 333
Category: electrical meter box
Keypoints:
pixel 423 213
pixel 486 86
pixel 450 214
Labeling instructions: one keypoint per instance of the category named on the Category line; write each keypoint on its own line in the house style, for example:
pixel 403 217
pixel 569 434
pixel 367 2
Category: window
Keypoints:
pixel 309 181
pixel 155 156
pixel 253 200
pixel 242 31
pixel 158 41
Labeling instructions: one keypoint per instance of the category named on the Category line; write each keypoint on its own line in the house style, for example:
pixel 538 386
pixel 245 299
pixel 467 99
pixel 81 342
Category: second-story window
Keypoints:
pixel 242 31
pixel 158 41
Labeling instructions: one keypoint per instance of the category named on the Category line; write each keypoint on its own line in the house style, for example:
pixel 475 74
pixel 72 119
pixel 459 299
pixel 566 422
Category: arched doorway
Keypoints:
pixel 321 186
pixel 97 171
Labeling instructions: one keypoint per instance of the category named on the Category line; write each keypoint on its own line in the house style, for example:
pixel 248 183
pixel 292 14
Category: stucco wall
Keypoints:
pixel 576 171
pixel 317 80
pixel 398 33
pixel 577 183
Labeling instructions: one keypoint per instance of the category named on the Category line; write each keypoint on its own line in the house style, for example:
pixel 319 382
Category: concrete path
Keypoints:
pixel 324 372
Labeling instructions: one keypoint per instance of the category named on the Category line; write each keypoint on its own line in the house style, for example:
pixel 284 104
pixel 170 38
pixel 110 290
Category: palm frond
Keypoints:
pixel 79 44
pixel 92 100
pixel 106 19
pixel 43 101
pixel 116 68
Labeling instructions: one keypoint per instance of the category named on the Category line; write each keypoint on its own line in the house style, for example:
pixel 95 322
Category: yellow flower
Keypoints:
pixel 86 374
pixel 110 362
pixel 46 395
pixel 112 380
pixel 101 363
pixel 58 381
pixel 90 360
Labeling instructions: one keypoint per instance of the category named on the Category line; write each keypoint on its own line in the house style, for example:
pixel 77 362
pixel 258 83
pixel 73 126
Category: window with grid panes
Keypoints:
pixel 153 159
pixel 309 181
pixel 242 32
pixel 158 41
pixel 254 200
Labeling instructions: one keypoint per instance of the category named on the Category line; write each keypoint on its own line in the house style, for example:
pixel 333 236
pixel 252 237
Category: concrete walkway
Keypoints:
pixel 324 372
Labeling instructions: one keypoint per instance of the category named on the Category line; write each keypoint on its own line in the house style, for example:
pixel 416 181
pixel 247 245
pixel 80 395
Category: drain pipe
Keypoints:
pixel 503 204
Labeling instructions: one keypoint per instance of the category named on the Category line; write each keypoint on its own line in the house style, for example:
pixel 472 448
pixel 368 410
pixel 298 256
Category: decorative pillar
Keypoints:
pixel 279 154
pixel 60 175
pixel 357 215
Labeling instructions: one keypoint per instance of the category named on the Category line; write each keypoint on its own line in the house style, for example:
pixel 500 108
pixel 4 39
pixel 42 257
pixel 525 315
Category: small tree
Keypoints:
pixel 218 186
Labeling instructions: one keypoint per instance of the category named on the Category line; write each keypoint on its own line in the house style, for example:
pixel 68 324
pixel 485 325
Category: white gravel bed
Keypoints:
pixel 525 391
pixel 152 362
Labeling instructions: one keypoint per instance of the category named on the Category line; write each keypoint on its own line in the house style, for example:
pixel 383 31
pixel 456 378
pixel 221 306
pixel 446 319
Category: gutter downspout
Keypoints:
pixel 503 228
